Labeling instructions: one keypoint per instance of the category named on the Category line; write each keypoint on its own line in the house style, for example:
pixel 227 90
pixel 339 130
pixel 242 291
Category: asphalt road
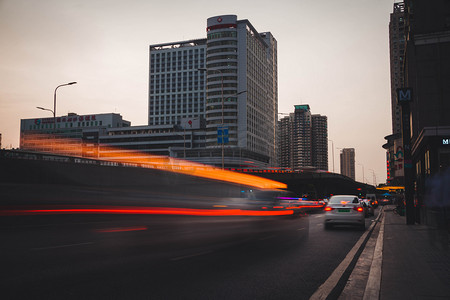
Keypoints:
pixel 168 257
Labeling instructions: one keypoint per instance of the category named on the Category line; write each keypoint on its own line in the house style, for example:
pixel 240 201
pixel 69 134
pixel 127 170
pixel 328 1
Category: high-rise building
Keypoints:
pixel 397 44
pixel 285 147
pixel 319 139
pixel 176 87
pixel 303 140
pixel 229 81
pixel 241 85
pixel 427 78
pixel 302 154
pixel 348 162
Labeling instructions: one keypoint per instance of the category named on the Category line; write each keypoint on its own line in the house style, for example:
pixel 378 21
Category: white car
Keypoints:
pixel 344 210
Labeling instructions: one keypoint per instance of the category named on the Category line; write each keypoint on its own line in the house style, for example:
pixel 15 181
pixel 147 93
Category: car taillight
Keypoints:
pixel 328 208
pixel 360 209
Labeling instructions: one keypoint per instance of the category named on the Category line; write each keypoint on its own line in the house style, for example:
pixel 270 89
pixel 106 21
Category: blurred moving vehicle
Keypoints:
pixel 385 201
pixel 373 200
pixel 344 210
pixel 368 208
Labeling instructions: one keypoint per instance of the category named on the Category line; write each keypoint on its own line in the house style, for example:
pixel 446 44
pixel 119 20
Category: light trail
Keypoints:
pixel 64 146
pixel 24 211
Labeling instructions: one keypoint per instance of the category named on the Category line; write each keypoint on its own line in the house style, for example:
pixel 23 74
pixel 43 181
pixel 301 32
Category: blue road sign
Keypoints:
pixel 222 135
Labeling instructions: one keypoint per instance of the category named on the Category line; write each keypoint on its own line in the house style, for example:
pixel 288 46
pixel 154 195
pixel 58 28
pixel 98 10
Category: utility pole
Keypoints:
pixel 404 98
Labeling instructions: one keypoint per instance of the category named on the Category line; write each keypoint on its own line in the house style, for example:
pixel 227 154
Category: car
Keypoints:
pixel 344 210
pixel 385 201
pixel 373 200
pixel 370 211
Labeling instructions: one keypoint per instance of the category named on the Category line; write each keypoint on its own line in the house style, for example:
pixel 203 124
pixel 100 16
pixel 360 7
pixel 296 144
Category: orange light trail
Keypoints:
pixel 63 146
pixel 143 211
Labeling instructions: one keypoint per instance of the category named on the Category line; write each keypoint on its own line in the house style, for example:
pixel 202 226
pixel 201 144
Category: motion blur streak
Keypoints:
pixel 123 229
pixel 63 146
pixel 144 211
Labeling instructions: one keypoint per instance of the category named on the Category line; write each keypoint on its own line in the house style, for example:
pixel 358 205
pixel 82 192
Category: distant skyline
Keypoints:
pixel 332 55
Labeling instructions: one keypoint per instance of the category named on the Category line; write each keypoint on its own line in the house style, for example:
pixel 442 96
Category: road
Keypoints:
pixel 168 257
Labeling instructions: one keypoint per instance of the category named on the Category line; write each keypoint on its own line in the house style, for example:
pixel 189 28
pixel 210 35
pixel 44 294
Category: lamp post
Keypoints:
pixel 374 177
pixel 54 102
pixel 332 151
pixel 221 87
pixel 47 109
pixel 362 171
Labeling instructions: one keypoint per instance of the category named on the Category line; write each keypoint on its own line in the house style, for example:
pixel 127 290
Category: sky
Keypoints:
pixel 332 55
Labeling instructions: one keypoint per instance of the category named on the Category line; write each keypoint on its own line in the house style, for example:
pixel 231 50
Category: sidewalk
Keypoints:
pixel 401 261
pixel 416 260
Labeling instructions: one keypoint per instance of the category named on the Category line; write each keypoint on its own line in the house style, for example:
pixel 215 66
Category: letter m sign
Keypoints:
pixel 404 95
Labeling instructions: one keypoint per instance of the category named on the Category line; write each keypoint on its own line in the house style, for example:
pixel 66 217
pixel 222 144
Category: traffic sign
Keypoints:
pixel 222 135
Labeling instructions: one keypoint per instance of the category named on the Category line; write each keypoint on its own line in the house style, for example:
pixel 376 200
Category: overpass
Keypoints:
pixel 315 183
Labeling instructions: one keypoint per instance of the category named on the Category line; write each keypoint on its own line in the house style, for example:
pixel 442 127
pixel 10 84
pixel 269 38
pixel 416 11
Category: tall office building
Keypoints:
pixel 241 85
pixel 303 140
pixel 284 142
pixel 176 87
pixel 302 154
pixel 397 46
pixel 397 43
pixel 427 76
pixel 319 137
pixel 229 80
pixel 348 162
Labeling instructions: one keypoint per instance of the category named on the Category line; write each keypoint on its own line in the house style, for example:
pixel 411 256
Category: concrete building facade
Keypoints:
pixel 319 138
pixel 303 140
pixel 227 81
pixel 176 87
pixel 242 92
pixel 397 46
pixel 348 162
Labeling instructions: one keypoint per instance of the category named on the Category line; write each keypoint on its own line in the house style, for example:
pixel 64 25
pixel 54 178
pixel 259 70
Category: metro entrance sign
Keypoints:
pixel 222 135
pixel 404 95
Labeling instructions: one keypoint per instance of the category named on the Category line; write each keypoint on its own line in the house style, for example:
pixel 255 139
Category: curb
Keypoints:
pixel 373 285
pixel 335 284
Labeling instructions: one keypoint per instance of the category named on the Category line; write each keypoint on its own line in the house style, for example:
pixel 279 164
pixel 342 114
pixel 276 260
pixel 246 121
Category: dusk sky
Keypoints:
pixel 332 55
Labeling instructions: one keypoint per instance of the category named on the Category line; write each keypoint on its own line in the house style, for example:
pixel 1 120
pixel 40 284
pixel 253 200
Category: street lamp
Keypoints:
pixel 362 170
pixel 374 177
pixel 47 109
pixel 332 150
pixel 54 102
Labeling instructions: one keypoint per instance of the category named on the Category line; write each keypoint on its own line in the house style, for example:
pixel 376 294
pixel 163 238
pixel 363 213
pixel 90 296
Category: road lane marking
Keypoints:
pixel 191 255
pixel 62 246
pixel 301 229
pixel 267 237
pixel 327 287
pixel 122 229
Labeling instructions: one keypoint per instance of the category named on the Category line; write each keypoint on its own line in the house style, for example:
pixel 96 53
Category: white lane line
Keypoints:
pixel 325 289
pixel 62 246
pixel 301 228
pixel 373 285
pixel 191 255
pixel 266 238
